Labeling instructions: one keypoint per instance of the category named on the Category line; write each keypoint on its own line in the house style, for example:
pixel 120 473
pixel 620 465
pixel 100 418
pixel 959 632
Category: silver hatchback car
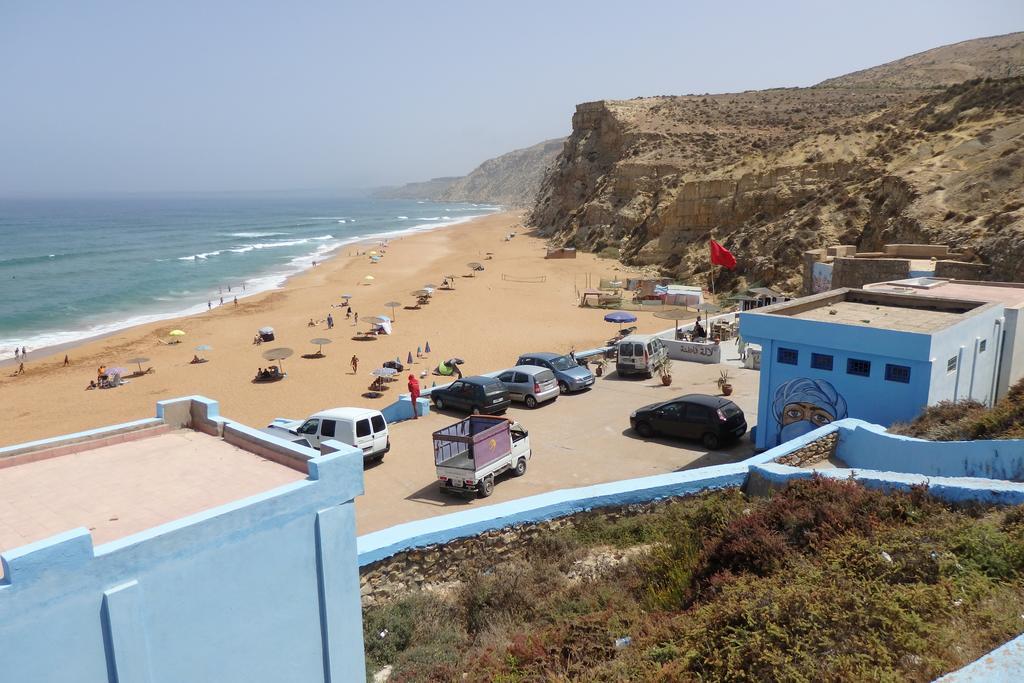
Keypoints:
pixel 530 384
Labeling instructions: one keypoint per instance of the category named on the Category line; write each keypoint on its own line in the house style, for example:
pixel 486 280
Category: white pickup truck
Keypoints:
pixel 469 454
pixel 364 428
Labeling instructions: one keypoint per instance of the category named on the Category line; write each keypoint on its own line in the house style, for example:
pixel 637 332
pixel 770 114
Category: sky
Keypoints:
pixel 110 97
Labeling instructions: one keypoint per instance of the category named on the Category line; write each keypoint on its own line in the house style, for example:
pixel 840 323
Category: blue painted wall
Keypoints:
pixel 869 446
pixel 262 589
pixel 874 398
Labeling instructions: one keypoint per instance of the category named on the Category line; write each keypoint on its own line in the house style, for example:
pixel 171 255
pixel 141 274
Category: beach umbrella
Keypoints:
pixel 320 341
pixel 138 361
pixel 373 253
pixel 176 333
pixel 429 286
pixel 419 351
pixel 409 359
pixel 707 309
pixel 278 354
pixel 204 347
pixel 378 319
pixel 674 314
pixel 428 347
pixel 420 293
pixel 346 297
pixel 368 278
pixel 393 305
pixel 619 317
pixel 474 265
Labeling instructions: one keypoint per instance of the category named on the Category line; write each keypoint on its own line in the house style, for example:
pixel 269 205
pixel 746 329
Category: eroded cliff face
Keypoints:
pixel 771 174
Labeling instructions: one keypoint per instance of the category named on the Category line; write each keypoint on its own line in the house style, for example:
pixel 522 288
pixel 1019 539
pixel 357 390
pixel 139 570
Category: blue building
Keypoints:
pixel 875 355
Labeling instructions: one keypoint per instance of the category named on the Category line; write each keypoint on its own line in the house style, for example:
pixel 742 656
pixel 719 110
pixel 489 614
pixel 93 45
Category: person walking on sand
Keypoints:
pixel 24 353
pixel 356 318
pixel 330 321
pixel 209 305
pixel 348 313
pixel 17 353
pixel 355 364
pixel 414 393
pixel 236 300
pixel 21 369
pixel 67 361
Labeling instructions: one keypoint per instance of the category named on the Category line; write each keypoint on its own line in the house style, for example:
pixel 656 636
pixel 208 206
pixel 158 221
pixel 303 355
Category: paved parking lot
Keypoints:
pixel 579 440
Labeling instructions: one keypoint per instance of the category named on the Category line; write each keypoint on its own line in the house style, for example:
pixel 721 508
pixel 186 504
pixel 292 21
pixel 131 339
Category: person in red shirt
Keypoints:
pixel 414 392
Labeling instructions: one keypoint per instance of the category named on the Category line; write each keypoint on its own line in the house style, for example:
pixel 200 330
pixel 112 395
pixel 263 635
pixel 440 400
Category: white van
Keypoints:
pixel 640 354
pixel 363 428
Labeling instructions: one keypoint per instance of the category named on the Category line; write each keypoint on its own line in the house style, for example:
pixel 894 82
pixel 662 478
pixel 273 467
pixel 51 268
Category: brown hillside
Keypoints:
pixel 995 57
pixel 774 173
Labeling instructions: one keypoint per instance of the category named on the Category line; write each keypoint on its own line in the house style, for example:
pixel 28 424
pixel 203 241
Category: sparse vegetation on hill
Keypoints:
pixel 825 581
pixel 926 149
pixel 969 420
pixel 511 179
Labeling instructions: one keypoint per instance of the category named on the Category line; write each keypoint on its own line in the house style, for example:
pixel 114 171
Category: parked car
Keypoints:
pixel 476 394
pixel 530 384
pixel 640 354
pixel 711 419
pixel 363 428
pixel 468 455
pixel 571 375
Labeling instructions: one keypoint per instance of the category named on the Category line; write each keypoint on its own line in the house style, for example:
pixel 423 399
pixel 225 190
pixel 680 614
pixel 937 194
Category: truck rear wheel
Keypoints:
pixel 486 487
pixel 520 469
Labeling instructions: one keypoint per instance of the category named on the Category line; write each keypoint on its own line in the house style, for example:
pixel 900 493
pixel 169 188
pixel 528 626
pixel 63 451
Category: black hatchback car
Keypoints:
pixel 477 395
pixel 711 419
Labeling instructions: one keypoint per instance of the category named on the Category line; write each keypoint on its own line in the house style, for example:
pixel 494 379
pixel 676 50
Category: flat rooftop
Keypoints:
pixel 1010 294
pixel 880 316
pixel 878 309
pixel 121 489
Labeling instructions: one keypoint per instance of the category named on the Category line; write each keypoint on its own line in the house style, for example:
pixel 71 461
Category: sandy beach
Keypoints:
pixel 487 320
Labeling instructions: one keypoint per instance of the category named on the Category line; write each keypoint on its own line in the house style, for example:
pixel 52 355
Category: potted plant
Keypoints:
pixel 723 383
pixel 665 370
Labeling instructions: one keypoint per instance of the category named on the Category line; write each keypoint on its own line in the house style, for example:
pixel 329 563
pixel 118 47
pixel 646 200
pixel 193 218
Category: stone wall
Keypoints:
pixel 857 272
pixel 814 452
pixel 958 270
pixel 447 563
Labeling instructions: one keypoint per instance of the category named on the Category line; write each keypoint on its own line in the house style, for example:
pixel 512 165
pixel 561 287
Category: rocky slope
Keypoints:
pixel 861 159
pixel 511 179
pixel 426 189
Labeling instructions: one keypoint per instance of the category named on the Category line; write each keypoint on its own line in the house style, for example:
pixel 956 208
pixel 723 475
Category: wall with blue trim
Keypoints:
pixel 262 589
pixel 868 446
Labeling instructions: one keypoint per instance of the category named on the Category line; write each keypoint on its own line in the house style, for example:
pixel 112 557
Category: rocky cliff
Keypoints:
pixel 511 179
pixel 865 160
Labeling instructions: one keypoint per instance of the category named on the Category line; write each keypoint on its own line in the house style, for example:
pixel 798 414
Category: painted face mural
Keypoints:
pixel 802 405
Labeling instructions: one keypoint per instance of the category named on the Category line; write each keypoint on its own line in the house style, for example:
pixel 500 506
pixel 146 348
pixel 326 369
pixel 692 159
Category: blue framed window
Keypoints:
pixel 787 356
pixel 897 373
pixel 856 366
pixel 821 361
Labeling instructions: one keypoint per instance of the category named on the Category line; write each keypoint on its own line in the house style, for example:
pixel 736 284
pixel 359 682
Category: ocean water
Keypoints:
pixel 72 269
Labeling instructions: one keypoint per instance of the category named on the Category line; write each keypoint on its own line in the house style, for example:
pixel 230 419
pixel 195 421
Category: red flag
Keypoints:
pixel 720 256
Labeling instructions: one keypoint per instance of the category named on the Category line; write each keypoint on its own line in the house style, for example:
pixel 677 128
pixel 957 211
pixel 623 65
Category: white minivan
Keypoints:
pixel 363 428
pixel 640 354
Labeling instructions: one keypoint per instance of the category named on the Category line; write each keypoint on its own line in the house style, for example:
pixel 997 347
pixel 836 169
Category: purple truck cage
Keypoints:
pixel 480 438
